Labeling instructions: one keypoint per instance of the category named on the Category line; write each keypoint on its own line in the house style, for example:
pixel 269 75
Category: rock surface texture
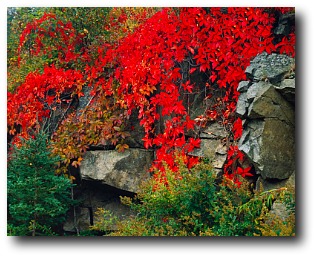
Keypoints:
pixel 212 145
pixel 124 170
pixel 267 107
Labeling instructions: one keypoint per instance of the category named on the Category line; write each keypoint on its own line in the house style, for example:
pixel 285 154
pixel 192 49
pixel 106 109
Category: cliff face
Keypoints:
pixel 266 106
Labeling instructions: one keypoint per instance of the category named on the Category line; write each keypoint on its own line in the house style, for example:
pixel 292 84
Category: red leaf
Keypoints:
pixel 187 86
pixel 192 161
pixel 237 129
pixel 204 67
pixel 191 49
pixel 192 70
pixel 195 142
pixel 213 77
pixel 147 142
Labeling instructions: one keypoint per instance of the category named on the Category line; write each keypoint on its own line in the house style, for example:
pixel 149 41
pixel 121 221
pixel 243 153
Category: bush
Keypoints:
pixel 192 203
pixel 37 198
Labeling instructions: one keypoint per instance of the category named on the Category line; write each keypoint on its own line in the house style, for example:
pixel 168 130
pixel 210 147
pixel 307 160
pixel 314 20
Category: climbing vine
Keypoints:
pixel 140 69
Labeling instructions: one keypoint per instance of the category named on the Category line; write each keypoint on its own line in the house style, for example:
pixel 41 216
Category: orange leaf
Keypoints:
pixel 75 164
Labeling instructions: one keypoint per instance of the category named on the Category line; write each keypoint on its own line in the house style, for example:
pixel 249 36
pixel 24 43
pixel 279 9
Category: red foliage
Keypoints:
pixel 222 45
pixel 64 36
pixel 38 96
pixel 232 169
pixel 144 66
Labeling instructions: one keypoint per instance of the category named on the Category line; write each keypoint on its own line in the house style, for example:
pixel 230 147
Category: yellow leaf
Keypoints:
pixel 72 178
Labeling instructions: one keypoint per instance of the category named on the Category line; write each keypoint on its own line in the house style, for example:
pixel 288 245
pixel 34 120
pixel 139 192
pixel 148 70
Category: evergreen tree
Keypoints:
pixel 37 199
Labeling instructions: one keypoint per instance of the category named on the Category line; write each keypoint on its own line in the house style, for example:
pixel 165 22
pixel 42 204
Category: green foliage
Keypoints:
pixel 192 203
pixel 37 199
pixel 104 221
pixel 274 224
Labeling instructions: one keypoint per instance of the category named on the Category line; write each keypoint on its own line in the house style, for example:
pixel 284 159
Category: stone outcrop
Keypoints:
pixel 212 145
pixel 105 175
pixel 267 107
pixel 124 170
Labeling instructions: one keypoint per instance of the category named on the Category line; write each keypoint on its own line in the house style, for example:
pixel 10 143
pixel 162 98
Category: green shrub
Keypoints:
pixel 104 221
pixel 192 203
pixel 37 199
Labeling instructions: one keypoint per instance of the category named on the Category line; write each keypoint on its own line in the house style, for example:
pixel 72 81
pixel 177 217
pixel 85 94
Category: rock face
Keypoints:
pixel 212 145
pixel 266 106
pixel 124 170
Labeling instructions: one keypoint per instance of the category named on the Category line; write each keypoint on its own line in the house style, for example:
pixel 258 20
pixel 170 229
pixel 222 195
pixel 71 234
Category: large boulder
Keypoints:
pixel 266 106
pixel 124 170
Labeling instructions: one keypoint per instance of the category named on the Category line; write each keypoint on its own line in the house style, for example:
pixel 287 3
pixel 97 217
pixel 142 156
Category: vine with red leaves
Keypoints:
pixel 142 72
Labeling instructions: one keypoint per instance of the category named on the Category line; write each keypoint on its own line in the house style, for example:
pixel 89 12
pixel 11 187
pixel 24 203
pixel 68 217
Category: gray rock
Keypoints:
pixel 256 89
pixel 84 100
pixel 274 68
pixel 278 153
pixel 135 140
pixel 280 210
pixel 242 105
pixel 243 86
pixel 268 114
pixel 212 149
pixel 287 89
pixel 121 170
pixel 268 103
pixel 214 131
pixel 267 185
pixel 93 196
pixel 219 161
pixel 211 145
pixel 221 149
pixel 270 145
pixel 207 148
pixel 280 29
pixel 284 23
pixel 81 223
pixel 251 141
